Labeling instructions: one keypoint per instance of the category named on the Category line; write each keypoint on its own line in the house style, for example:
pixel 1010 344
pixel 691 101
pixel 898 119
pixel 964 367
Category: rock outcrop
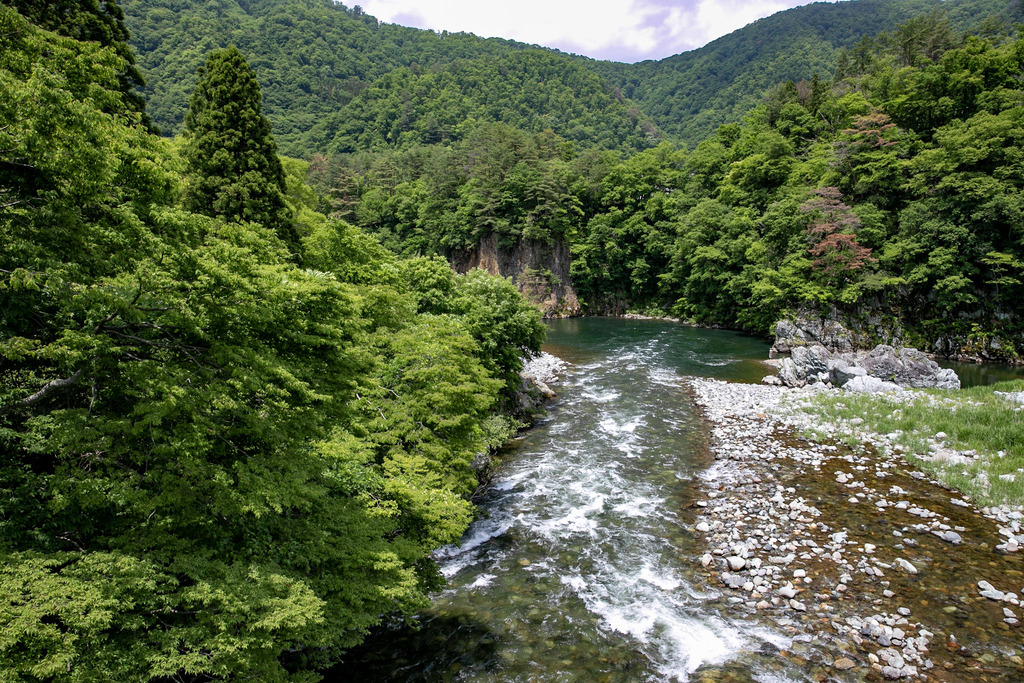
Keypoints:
pixel 807 331
pixel 881 369
pixel 837 334
pixel 908 368
pixel 967 338
pixel 534 391
pixel 539 269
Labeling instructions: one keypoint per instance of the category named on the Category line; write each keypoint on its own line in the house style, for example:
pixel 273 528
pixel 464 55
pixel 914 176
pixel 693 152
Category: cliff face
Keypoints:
pixel 540 270
pixel 962 339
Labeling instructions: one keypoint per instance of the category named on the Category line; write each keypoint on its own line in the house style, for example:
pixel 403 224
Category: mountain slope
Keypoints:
pixel 336 79
pixel 533 90
pixel 690 94
pixel 314 57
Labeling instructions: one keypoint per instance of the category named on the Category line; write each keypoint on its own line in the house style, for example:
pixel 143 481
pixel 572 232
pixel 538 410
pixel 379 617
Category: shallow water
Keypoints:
pixel 580 568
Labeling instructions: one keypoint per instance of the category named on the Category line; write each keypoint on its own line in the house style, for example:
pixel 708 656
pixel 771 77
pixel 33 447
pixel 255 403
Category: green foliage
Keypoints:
pixel 213 463
pixel 100 21
pixel 336 79
pixel 689 95
pixel 504 325
pixel 233 169
pixel 533 90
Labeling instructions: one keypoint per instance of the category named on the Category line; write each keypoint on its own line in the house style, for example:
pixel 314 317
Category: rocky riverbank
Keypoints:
pixel 537 373
pixel 874 570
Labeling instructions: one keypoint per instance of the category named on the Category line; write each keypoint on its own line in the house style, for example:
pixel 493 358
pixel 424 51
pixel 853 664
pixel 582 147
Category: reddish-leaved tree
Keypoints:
pixel 832 235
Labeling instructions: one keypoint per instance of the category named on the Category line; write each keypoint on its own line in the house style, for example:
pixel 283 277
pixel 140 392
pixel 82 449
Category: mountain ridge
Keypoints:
pixel 315 58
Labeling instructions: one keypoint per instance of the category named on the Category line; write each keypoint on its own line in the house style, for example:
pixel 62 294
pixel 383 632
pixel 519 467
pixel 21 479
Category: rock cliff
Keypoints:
pixel 539 269
pixel 865 328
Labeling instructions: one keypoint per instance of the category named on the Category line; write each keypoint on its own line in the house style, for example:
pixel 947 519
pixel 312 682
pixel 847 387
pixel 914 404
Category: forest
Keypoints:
pixel 334 76
pixel 244 396
pixel 892 189
pixel 233 429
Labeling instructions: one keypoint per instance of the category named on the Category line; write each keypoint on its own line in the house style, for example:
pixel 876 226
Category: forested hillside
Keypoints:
pixel 691 94
pixel 338 80
pixel 892 194
pixel 232 430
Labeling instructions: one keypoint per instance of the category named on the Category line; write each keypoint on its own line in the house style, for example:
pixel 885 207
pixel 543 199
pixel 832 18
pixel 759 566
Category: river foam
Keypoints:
pixel 590 503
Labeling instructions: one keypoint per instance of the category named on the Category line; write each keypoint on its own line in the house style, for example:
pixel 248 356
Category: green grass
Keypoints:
pixel 973 419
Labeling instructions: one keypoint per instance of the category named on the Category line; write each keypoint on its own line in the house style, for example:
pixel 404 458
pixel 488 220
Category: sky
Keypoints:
pixel 622 31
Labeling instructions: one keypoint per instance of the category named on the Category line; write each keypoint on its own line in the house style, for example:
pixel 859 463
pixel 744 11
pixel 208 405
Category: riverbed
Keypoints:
pixel 585 564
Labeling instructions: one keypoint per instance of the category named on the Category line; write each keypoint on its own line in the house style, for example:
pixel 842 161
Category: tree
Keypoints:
pixel 100 21
pixel 504 325
pixel 834 244
pixel 233 169
pixel 139 347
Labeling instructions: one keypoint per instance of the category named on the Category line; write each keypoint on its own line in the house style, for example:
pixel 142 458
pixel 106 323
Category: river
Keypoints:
pixel 580 567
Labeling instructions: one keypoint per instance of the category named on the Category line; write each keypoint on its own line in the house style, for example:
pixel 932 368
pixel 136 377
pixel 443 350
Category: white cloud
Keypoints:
pixel 628 30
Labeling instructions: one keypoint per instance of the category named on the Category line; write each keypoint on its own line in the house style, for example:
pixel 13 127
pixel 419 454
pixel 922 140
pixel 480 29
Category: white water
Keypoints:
pixel 589 506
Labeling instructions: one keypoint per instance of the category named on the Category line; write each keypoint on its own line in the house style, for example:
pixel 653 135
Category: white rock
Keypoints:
pixel 865 384
pixel 906 566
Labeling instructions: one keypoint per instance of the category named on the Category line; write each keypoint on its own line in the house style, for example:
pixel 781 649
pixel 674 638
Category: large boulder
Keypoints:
pixel 898 368
pixel 908 368
pixel 813 359
pixel 842 371
pixel 865 384
pixel 806 365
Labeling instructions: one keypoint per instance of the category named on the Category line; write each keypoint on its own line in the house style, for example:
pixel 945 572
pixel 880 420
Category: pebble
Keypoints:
pixel 844 663
pixel 763 531
pixel 951 537
pixel 906 566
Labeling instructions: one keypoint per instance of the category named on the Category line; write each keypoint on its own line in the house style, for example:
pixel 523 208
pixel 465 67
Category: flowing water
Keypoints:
pixel 580 568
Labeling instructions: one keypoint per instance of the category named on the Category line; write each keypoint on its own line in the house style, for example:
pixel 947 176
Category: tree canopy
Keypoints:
pixel 233 169
pixel 215 463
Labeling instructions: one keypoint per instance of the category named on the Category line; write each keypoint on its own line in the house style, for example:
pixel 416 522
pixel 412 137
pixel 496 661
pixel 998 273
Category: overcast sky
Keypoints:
pixel 623 30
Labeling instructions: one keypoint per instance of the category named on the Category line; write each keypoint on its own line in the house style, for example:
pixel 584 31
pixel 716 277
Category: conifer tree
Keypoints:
pixel 233 167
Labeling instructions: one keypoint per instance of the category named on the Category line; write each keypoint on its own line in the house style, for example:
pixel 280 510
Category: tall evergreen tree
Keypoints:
pixel 233 167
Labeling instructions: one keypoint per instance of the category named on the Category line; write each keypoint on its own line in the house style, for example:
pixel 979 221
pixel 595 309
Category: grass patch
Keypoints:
pixel 974 420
